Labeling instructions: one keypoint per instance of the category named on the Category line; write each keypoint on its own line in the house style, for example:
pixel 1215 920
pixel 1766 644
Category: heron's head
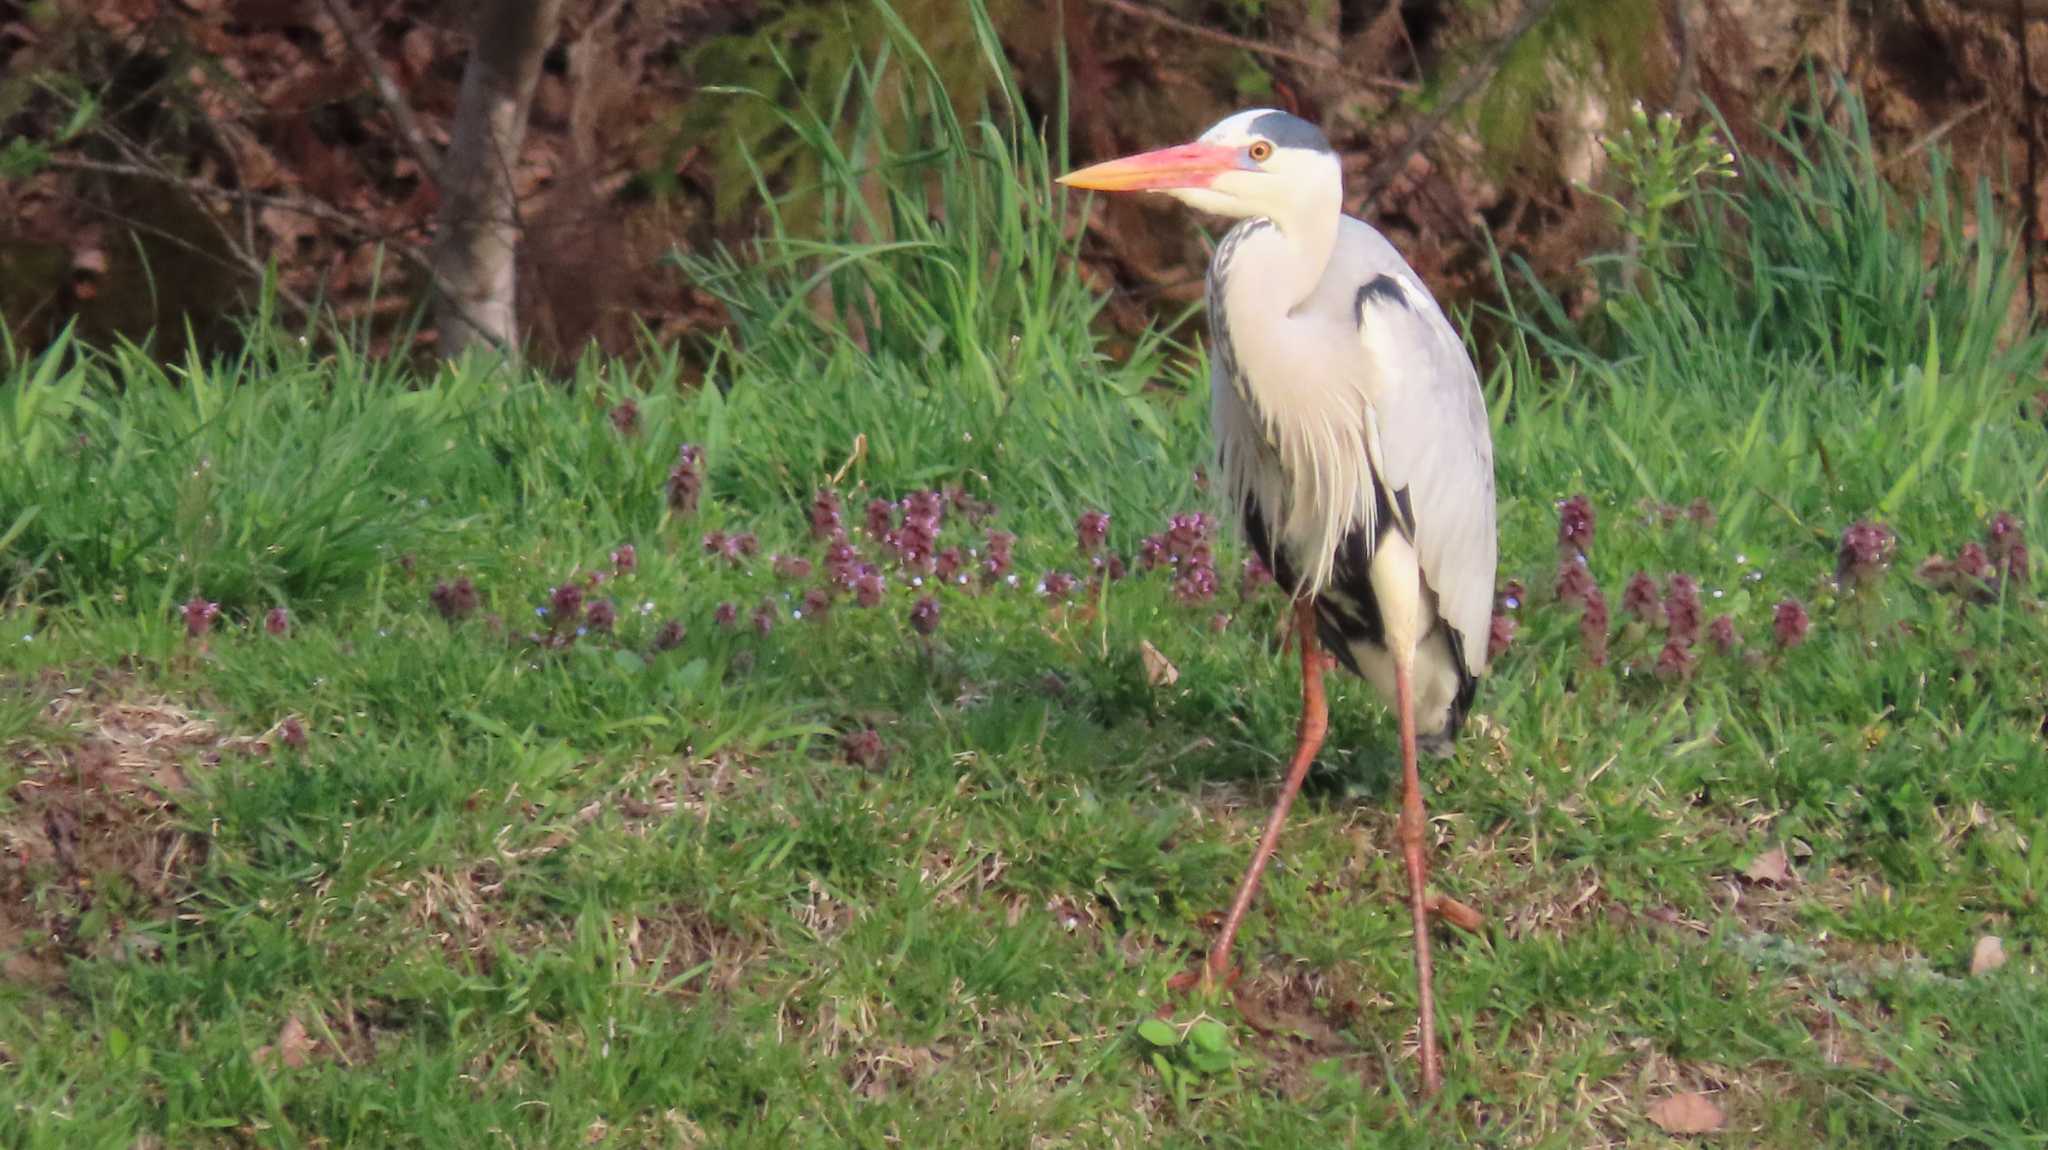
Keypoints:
pixel 1257 163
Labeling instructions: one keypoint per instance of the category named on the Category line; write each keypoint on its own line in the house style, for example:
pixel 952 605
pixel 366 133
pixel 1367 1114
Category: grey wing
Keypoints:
pixel 1434 442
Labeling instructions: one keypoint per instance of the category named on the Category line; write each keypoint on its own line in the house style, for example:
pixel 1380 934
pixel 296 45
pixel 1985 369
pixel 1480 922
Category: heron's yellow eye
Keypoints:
pixel 1260 151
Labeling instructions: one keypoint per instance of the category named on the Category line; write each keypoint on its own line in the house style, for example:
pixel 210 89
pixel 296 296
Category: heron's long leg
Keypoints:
pixel 1418 875
pixel 1315 719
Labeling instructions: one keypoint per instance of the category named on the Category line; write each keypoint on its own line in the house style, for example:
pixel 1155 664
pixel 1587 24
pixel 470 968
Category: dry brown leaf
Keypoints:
pixel 293 1048
pixel 1458 914
pixel 1159 670
pixel 1772 867
pixel 416 51
pixel 1988 955
pixel 1687 1114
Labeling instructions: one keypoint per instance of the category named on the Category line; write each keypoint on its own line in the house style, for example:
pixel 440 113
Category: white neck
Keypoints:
pixel 1305 202
pixel 1311 233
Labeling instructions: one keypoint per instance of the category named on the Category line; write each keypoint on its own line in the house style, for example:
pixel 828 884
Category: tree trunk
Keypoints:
pixel 478 230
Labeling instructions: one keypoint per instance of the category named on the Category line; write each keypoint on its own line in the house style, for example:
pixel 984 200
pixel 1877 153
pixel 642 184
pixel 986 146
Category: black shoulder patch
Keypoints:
pixel 1382 289
pixel 1287 131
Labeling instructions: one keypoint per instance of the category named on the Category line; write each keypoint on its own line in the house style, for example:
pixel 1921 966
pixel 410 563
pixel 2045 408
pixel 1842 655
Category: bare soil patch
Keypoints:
pixel 93 844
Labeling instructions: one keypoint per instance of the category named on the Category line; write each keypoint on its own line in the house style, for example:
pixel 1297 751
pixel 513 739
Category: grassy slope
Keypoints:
pixel 515 895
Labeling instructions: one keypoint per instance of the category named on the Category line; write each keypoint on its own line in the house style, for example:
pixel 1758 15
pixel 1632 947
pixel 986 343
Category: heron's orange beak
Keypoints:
pixel 1184 166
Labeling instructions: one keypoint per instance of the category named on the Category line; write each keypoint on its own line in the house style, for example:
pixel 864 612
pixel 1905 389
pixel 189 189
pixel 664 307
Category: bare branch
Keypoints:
pixel 244 260
pixel 394 101
pixel 200 188
pixel 2030 9
pixel 1257 47
pixel 1470 84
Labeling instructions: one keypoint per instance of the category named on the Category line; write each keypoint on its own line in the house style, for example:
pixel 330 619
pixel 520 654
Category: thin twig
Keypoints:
pixel 312 209
pixel 1935 134
pixel 200 189
pixel 2026 9
pixel 1257 47
pixel 142 163
pixel 394 101
pixel 177 241
pixel 2029 127
pixel 1468 85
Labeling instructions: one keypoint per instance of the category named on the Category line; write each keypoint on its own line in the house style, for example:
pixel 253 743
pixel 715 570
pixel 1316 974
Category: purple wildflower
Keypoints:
pixel 1500 635
pixel 1196 583
pixel 1575 526
pixel 1973 561
pixel 1675 661
pixel 929 506
pixel 1574 582
pixel 946 564
pixel 733 548
pixel 881 518
pixel 725 614
pixel 863 748
pixel 913 542
pixel 1789 623
pixel 2008 547
pixel 792 567
pixel 199 616
pixel 1721 633
pixel 1252 575
pixel 670 636
pixel 996 563
pixel 625 558
pixel 825 515
pixel 2018 563
pixel 1056 585
pixel 292 733
pixel 764 616
pixel 1682 607
pixel 601 615
pixel 1151 552
pixel 686 480
pixel 1701 512
pixel 817 603
pixel 1091 530
pixel 1865 552
pixel 1640 599
pixel 842 565
pixel 1593 624
pixel 924 615
pixel 278 622
pixel 565 604
pixel 626 417
pixel 455 601
pixel 868 588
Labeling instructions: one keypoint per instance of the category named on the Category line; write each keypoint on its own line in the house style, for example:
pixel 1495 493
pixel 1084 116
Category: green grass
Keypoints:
pixel 534 894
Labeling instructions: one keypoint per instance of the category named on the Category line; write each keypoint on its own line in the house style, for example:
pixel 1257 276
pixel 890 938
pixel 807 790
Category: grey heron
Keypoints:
pixel 1353 444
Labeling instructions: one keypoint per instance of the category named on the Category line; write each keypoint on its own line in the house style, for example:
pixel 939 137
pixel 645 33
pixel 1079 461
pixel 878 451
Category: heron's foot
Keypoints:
pixel 1456 913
